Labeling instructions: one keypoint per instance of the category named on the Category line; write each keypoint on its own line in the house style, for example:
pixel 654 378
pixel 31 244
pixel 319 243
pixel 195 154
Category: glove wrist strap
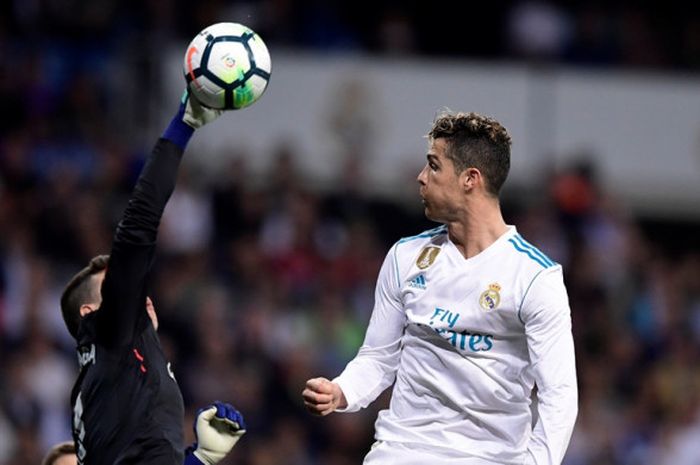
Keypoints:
pixel 178 132
pixel 191 458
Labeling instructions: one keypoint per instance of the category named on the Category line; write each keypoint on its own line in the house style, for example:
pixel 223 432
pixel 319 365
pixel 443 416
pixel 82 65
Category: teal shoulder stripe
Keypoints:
pixel 528 253
pixel 429 233
pixel 525 244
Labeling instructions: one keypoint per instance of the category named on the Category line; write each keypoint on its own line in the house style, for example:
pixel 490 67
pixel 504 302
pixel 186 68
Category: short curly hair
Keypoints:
pixel 79 291
pixel 477 141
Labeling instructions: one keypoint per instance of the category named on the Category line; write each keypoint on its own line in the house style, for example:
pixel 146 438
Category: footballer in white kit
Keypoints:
pixel 465 340
pixel 468 318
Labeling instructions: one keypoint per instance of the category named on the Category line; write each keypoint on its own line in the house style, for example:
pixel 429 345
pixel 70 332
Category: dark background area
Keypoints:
pixel 262 283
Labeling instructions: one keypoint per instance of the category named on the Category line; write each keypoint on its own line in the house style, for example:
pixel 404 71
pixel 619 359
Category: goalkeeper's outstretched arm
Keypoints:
pixel 124 287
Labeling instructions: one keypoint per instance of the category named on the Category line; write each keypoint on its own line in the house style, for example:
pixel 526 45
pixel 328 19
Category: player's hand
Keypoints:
pixel 195 114
pixel 217 428
pixel 322 396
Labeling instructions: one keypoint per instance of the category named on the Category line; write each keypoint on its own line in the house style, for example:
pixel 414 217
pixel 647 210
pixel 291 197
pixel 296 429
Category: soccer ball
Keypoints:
pixel 227 66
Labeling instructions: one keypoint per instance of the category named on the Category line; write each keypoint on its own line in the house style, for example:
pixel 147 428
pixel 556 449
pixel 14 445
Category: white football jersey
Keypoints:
pixel 465 341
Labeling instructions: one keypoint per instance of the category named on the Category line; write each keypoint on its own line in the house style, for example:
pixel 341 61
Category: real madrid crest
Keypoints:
pixel 427 257
pixel 491 297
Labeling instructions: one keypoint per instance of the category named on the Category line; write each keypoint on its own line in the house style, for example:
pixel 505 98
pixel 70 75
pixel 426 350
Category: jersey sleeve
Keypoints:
pixel 547 318
pixel 123 309
pixel 374 367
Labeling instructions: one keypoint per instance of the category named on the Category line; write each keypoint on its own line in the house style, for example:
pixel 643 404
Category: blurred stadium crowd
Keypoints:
pixel 653 34
pixel 262 282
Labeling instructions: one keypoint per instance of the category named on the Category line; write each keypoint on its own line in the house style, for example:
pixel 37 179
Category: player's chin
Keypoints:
pixel 435 217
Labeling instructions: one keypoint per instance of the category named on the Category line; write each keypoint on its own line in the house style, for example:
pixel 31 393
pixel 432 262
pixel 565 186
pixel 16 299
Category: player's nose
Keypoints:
pixel 421 176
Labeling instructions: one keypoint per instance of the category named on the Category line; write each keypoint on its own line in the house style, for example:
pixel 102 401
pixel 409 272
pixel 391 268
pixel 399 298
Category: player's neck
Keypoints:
pixel 480 227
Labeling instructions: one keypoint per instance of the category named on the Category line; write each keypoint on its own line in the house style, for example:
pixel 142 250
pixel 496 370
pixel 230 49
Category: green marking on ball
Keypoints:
pixel 243 95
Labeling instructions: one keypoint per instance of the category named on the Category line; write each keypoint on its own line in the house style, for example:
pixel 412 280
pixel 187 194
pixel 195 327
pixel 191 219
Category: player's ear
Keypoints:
pixel 469 178
pixel 87 308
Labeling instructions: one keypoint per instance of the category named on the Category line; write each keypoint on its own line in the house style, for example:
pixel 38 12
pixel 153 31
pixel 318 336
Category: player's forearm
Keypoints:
pixel 557 411
pixel 547 318
pixel 557 398
pixel 367 376
pixel 557 405
pixel 374 367
pixel 139 224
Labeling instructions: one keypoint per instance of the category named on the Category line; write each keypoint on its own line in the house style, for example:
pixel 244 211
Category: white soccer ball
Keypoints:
pixel 227 66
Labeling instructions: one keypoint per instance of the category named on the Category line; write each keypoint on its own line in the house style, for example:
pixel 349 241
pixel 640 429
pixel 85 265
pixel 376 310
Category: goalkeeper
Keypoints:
pixel 127 406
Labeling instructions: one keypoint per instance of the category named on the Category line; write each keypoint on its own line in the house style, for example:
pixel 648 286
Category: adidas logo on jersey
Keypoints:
pixel 418 282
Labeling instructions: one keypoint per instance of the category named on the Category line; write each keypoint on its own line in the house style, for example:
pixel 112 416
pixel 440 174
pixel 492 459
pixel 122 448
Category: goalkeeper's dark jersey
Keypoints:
pixel 127 407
